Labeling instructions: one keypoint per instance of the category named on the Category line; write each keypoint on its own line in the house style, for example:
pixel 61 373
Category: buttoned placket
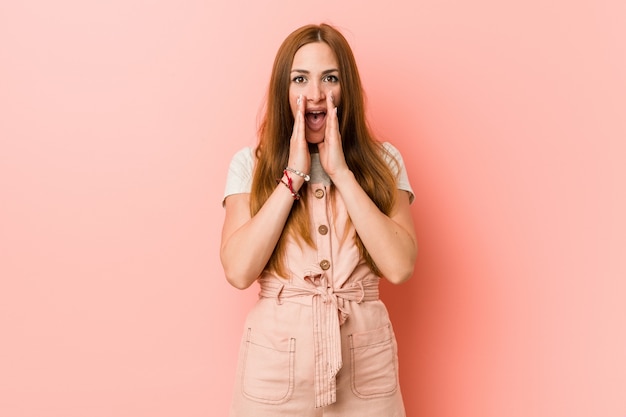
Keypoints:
pixel 326 325
pixel 322 220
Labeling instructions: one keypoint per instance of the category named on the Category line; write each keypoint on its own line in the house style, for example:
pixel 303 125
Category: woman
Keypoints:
pixel 316 214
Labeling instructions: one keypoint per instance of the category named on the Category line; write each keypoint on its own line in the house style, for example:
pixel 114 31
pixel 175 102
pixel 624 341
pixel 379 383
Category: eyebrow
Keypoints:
pixel 308 72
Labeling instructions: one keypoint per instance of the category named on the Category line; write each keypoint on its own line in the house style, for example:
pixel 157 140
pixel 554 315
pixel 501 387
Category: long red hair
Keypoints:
pixel 364 155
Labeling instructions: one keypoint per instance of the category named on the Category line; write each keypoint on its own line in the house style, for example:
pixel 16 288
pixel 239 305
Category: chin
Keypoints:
pixel 315 137
pixel 315 141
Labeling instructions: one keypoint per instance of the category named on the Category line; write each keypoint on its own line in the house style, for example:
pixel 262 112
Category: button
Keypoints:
pixel 319 193
pixel 325 264
pixel 322 229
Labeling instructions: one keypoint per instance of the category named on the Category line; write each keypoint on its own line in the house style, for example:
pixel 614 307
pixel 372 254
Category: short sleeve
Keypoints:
pixel 393 154
pixel 239 178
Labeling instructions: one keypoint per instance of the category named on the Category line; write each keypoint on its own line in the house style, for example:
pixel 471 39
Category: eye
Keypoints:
pixel 331 79
pixel 298 79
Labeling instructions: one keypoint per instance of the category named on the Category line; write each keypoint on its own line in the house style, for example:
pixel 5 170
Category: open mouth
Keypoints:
pixel 315 119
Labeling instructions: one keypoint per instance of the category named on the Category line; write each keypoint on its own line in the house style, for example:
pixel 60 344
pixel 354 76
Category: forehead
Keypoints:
pixel 316 55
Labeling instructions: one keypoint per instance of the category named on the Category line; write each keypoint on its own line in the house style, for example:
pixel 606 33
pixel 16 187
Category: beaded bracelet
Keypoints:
pixel 298 173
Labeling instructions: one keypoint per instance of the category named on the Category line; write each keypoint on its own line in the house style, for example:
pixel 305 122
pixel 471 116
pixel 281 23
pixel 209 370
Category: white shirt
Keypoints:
pixel 240 171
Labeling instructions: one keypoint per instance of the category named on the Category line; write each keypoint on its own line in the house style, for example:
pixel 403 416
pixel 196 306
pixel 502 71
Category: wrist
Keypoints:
pixel 295 181
pixel 342 177
pixel 295 178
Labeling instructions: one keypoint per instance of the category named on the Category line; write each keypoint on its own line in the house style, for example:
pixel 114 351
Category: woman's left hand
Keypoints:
pixel 331 152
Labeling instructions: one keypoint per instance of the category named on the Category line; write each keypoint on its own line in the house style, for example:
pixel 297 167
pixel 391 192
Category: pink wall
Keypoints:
pixel 117 121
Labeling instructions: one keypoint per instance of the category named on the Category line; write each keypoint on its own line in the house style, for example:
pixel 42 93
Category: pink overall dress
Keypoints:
pixel 319 342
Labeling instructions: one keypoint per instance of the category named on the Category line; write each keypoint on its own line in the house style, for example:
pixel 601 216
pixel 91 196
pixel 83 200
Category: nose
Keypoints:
pixel 316 93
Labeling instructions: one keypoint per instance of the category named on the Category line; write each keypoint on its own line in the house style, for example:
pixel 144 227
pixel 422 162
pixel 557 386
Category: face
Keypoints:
pixel 314 75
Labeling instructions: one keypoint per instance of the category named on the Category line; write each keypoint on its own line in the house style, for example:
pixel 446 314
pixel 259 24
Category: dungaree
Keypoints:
pixel 318 342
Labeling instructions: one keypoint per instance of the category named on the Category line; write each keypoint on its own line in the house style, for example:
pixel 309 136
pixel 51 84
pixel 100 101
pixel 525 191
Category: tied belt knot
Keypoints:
pixel 328 315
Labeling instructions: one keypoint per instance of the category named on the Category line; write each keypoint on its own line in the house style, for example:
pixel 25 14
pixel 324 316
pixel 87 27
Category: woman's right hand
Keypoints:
pixel 248 242
pixel 299 156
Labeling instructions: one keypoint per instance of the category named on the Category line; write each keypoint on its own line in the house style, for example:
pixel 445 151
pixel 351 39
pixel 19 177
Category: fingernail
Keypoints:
pixel 332 97
pixel 299 99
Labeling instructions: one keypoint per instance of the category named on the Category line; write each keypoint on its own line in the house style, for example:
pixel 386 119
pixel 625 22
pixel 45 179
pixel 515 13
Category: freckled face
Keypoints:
pixel 314 74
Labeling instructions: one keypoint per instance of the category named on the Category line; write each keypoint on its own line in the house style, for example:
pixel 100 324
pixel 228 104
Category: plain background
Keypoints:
pixel 117 122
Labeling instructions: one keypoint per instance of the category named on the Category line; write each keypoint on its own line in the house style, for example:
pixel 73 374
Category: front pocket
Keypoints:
pixel 268 370
pixel 374 363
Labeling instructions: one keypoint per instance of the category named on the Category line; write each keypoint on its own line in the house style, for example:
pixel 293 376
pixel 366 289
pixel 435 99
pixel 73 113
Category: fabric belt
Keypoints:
pixel 328 316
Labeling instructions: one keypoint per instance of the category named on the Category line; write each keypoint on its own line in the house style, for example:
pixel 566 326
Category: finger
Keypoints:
pixel 298 124
pixel 302 103
pixel 332 125
pixel 300 115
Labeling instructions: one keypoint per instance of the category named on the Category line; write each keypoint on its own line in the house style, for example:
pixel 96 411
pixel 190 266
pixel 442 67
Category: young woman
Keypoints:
pixel 317 213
